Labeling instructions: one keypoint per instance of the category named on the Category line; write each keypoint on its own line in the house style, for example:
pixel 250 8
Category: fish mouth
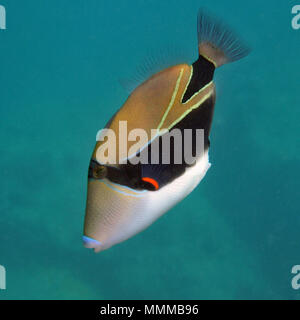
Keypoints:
pixel 91 243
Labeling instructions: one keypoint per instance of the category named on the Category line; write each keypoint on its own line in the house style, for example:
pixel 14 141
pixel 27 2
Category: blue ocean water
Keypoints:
pixel 234 237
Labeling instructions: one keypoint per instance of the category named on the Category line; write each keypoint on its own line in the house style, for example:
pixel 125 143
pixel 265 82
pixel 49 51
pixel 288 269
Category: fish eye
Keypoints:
pixel 99 172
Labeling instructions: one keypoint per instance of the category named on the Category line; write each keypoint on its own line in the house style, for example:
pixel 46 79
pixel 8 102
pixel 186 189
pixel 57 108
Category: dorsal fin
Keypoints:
pixel 154 62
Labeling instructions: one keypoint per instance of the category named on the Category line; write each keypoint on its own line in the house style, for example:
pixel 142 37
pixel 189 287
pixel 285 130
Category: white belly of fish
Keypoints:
pixel 129 215
pixel 164 199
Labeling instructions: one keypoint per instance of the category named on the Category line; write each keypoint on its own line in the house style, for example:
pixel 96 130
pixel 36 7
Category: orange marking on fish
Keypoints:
pixel 152 181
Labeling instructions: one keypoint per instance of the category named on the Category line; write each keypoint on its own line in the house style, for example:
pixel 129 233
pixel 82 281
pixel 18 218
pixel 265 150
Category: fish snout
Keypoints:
pixel 91 243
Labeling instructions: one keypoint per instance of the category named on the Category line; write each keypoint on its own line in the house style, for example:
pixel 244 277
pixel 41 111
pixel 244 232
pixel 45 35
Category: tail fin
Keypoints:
pixel 217 43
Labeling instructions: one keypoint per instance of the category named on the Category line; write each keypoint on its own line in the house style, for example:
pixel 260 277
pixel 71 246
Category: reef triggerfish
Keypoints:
pixel 124 198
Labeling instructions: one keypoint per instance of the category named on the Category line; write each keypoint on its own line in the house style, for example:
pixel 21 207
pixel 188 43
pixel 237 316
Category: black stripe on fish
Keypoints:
pixel 131 175
pixel 199 118
pixel 203 72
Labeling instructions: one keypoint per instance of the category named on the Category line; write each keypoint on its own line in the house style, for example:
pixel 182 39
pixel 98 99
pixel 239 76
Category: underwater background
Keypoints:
pixel 235 237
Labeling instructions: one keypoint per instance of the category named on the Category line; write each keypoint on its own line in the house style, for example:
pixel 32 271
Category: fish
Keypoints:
pixel 125 197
